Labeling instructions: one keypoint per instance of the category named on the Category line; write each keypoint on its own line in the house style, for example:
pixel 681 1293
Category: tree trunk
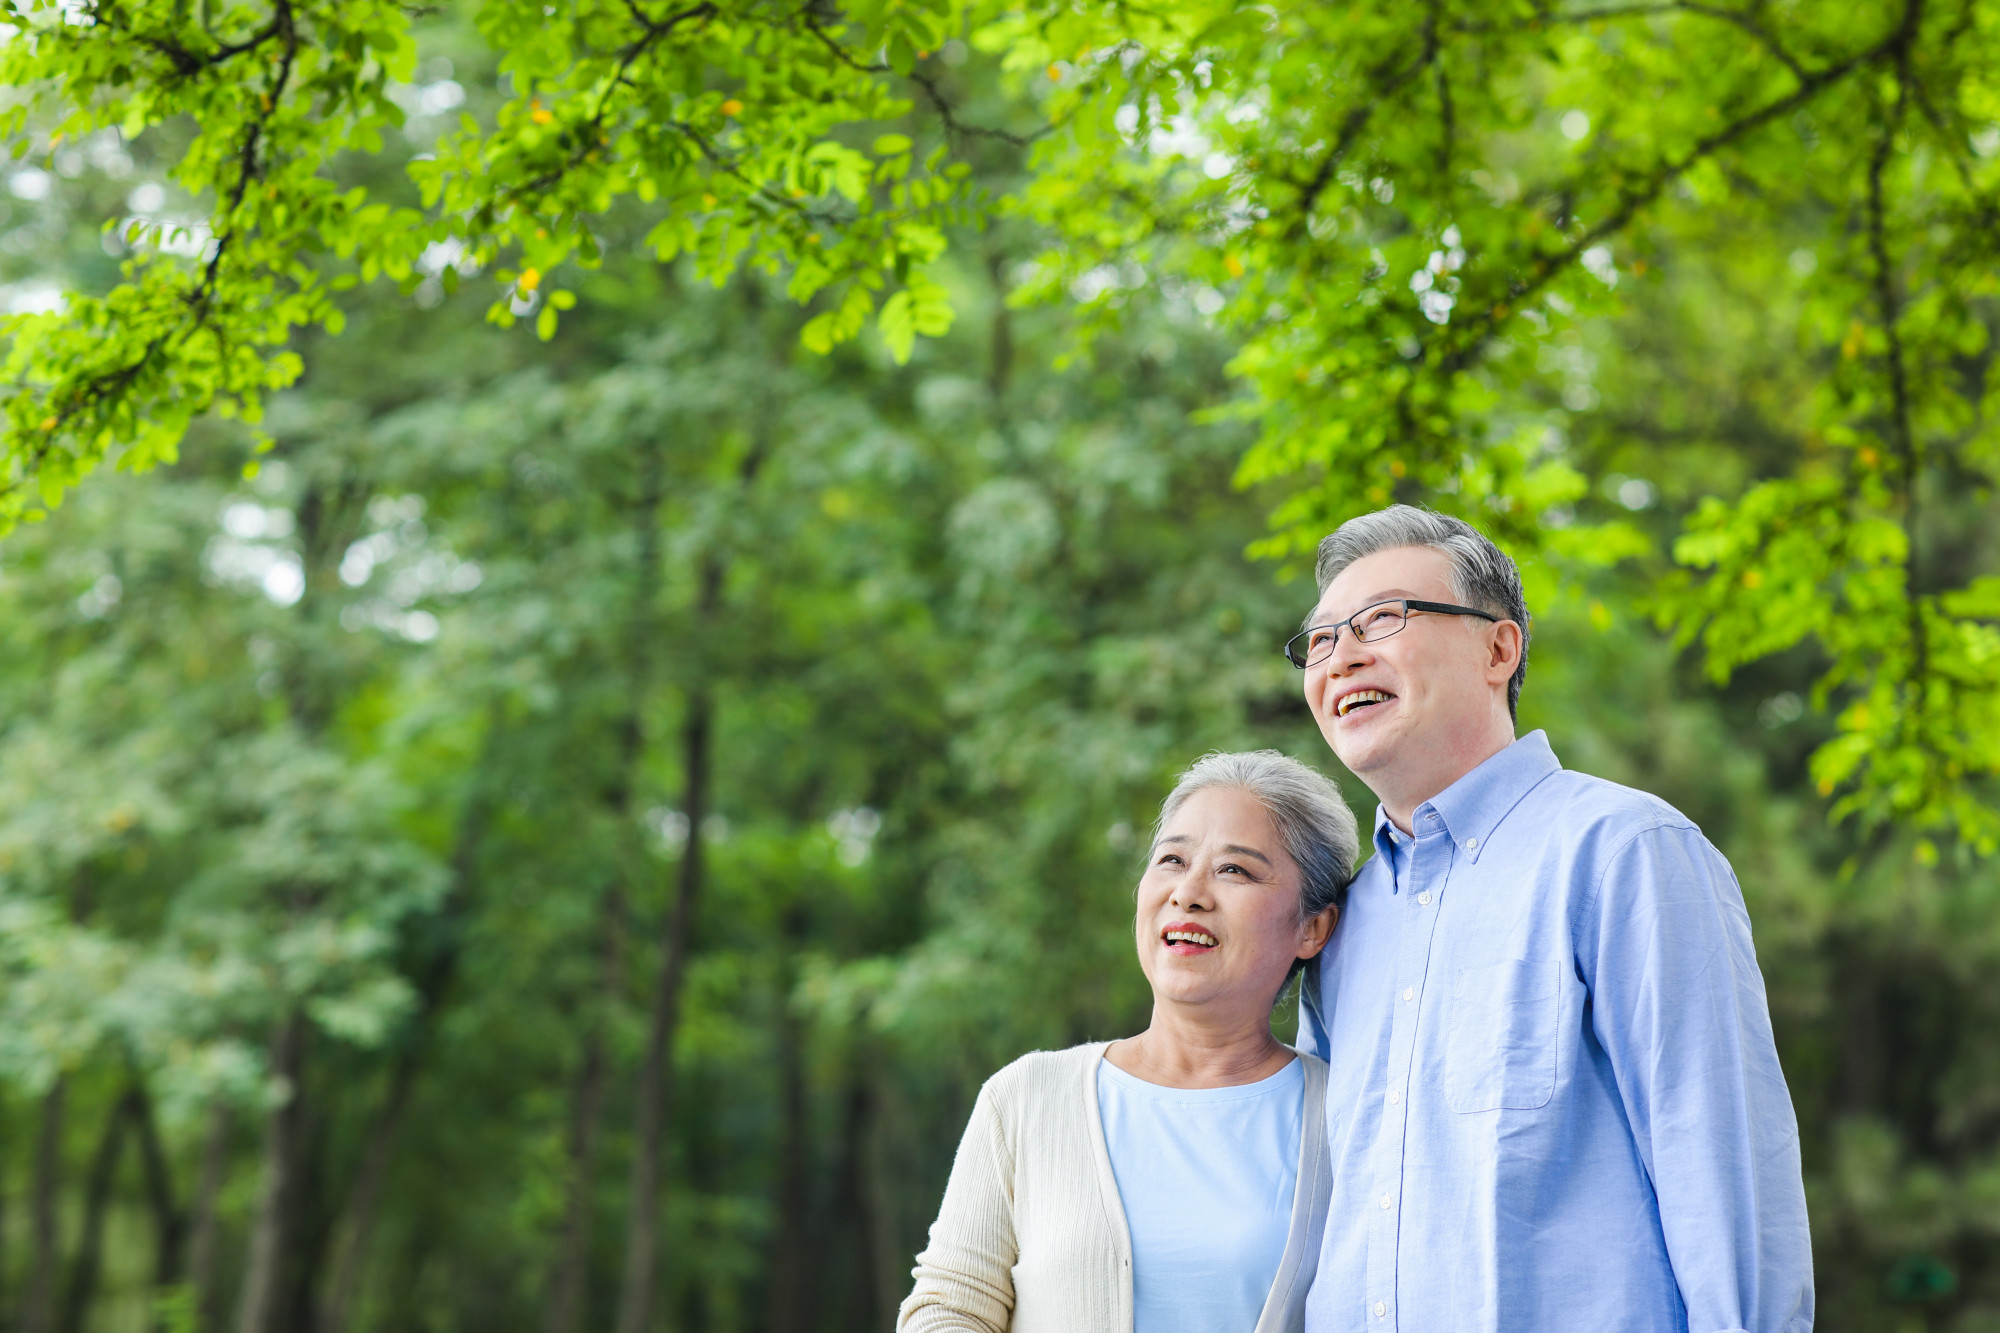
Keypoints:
pixel 38 1294
pixel 566 1299
pixel 257 1304
pixel 4 1250
pixel 201 1244
pixel 1000 352
pixel 89 1258
pixel 792 1263
pixel 654 1101
pixel 891 1255
pixel 655 1093
pixel 853 1207
pixel 169 1223
pixel 308 1228
pixel 350 1253
pixel 361 1209
pixel 563 1312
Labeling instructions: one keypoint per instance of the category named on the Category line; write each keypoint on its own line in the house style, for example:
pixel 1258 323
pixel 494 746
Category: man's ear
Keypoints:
pixel 1317 931
pixel 1506 649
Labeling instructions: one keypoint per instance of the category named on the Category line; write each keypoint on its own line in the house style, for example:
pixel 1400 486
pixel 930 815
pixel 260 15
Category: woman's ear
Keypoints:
pixel 1317 931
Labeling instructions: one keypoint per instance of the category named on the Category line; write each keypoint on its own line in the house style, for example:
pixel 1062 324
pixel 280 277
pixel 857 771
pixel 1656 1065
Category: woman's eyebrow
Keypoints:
pixel 1233 849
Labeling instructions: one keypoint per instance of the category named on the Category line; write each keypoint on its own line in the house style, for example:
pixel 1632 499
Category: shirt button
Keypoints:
pixel 1424 898
pixel 1388 1202
pixel 1472 844
pixel 1381 1309
pixel 1409 993
pixel 1395 1098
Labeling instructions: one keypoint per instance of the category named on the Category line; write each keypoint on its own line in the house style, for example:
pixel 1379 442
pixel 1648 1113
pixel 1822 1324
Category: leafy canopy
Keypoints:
pixel 1418 222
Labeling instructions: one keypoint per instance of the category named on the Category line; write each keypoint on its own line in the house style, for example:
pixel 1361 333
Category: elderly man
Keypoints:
pixel 1555 1102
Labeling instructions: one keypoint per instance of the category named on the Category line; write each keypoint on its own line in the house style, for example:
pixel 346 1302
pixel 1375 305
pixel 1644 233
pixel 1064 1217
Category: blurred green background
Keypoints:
pixel 365 824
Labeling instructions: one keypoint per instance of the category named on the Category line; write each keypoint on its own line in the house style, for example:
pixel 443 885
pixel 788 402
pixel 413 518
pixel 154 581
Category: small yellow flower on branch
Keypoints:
pixel 529 279
pixel 732 107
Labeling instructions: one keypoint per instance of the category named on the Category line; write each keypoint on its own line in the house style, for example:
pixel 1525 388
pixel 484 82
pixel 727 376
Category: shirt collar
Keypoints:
pixel 1472 807
pixel 1385 832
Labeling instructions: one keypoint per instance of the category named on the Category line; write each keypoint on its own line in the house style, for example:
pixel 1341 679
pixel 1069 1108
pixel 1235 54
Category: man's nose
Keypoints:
pixel 1349 654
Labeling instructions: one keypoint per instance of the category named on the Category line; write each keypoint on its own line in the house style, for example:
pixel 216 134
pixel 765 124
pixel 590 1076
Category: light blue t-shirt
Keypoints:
pixel 1206 1176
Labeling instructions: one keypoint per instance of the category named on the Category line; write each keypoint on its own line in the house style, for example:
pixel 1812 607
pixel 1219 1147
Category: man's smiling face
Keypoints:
pixel 1403 707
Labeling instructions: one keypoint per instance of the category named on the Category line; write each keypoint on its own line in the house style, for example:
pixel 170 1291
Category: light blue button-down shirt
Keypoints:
pixel 1554 1099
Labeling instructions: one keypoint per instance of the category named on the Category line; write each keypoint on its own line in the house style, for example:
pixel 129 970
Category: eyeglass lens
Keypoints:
pixel 1368 624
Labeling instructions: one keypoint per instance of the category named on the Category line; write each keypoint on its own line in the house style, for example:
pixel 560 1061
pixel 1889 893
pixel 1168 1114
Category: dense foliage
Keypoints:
pixel 549 832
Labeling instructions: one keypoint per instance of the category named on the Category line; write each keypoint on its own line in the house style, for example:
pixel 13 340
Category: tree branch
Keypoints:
pixel 1636 196
pixel 1902 437
pixel 954 126
pixel 1357 120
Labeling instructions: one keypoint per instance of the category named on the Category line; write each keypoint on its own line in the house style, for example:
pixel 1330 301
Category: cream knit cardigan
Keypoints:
pixel 1031 1236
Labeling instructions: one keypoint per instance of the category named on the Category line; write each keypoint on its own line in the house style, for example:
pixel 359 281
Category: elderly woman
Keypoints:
pixel 1172 1182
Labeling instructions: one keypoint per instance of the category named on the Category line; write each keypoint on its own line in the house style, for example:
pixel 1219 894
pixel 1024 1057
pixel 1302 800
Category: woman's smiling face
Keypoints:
pixel 1218 907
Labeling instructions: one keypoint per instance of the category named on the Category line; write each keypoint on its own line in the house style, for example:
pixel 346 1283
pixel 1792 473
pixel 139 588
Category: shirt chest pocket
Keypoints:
pixel 1500 1037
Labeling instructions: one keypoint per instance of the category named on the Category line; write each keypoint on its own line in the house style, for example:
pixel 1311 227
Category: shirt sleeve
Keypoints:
pixel 1678 1005
pixel 965 1277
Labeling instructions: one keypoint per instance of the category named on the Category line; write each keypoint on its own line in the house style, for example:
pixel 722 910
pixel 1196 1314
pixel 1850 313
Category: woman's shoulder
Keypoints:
pixel 1039 1075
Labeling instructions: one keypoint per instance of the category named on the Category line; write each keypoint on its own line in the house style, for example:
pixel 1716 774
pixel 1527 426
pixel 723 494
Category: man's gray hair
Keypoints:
pixel 1482 575
pixel 1306 808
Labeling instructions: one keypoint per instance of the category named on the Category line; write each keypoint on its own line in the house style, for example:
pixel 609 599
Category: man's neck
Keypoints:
pixel 1401 800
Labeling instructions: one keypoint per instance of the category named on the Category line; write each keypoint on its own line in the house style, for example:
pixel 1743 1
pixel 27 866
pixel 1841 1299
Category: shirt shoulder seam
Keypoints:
pixel 1590 899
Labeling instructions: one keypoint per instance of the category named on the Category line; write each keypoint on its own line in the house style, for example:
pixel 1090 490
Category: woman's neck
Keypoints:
pixel 1176 1051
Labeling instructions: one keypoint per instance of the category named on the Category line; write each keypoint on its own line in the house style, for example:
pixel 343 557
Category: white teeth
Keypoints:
pixel 1350 702
pixel 1190 937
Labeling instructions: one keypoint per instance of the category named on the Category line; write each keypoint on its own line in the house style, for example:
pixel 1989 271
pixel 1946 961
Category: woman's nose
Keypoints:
pixel 1193 897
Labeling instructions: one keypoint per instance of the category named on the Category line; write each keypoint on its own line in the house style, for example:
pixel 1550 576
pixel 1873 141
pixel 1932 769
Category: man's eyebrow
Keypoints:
pixel 1390 595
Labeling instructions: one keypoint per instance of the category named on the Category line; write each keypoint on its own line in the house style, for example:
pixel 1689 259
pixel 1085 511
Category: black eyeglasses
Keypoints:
pixel 1310 647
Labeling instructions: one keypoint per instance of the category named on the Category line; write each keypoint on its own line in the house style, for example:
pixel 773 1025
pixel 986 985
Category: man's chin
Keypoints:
pixel 1362 755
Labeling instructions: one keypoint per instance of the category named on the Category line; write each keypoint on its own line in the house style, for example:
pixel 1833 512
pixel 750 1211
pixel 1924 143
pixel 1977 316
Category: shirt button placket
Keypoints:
pixel 1425 865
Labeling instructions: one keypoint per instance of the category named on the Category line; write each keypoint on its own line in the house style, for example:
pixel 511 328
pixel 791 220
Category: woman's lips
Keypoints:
pixel 1187 939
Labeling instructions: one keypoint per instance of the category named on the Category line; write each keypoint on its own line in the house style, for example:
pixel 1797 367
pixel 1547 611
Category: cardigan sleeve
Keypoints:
pixel 965 1277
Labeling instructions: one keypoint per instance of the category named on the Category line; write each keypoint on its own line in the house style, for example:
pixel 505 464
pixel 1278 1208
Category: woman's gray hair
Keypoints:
pixel 1305 807
pixel 1481 573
